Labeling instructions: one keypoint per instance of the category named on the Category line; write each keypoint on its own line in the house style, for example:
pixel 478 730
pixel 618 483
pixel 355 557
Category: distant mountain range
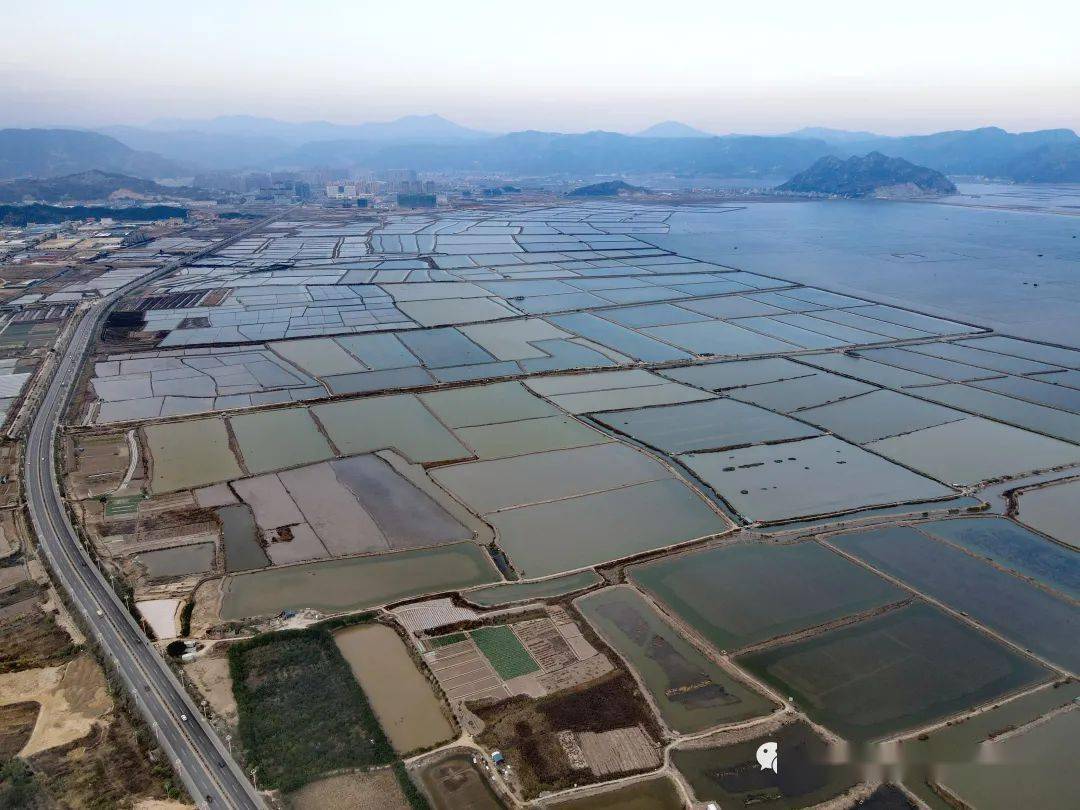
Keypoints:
pixel 431 143
pixel 242 141
pixel 874 175
pixel 832 135
pixel 673 129
pixel 546 153
pixel 54 152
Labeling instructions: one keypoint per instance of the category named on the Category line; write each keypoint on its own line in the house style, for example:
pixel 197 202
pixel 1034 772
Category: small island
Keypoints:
pixel 875 175
pixel 611 188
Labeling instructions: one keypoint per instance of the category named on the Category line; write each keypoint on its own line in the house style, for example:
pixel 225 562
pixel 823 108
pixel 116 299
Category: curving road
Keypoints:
pixel 207 769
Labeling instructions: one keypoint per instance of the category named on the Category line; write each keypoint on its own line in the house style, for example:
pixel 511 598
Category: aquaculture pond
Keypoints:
pixel 892 672
pixel 240 539
pixel 1052 510
pixel 1033 768
pixel 692 692
pixel 355 583
pixel 274 440
pixel 1034 618
pixel 400 695
pixel 550 538
pixel 1012 546
pixel 730 774
pixel 174 562
pixel 960 757
pixel 978 450
pixel 746 593
pixel 709 425
pixel 189 454
pixel 398 422
pixel 808 477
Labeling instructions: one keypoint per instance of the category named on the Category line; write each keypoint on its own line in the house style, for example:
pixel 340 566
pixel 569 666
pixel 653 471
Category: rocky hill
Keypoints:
pixel 873 175
pixel 611 188
pixel 90 185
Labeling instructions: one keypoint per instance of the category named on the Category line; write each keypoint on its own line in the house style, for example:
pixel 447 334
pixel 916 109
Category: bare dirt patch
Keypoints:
pixel 376 790
pixel 210 674
pixel 109 767
pixel 72 697
pixel 16 725
pixel 32 638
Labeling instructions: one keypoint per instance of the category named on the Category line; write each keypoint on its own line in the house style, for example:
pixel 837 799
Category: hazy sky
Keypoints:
pixel 773 66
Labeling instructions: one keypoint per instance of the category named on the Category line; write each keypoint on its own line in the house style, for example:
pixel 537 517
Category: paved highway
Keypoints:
pixel 207 769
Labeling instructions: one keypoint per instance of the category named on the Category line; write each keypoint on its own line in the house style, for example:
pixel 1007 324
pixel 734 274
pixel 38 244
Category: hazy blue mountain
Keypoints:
pixel 874 175
pixel 830 135
pixel 90 185
pixel 210 150
pixel 673 129
pixel 57 152
pixel 407 128
pixel 244 141
pixel 988 151
pixel 533 152
pixel 1050 163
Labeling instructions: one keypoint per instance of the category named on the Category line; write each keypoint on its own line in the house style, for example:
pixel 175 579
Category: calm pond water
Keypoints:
pixel 355 583
pixel 892 672
pixel 1024 613
pixel 692 692
pixel 240 539
pixel 981 266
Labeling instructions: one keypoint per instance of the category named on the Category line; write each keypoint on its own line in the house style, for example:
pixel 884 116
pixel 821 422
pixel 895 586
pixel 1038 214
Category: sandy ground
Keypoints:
pixel 211 675
pixel 160 804
pixel 73 697
pixel 377 790
pixel 160 614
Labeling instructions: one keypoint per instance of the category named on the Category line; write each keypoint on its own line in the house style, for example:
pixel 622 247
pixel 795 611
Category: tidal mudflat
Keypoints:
pixel 892 672
pixel 746 593
pixel 692 692
pixel 355 583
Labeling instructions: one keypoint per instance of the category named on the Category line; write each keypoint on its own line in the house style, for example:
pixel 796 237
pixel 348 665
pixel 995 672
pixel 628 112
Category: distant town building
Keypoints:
pixel 343 190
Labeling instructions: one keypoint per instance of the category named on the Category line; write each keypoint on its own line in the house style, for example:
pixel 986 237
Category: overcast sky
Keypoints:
pixel 568 66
